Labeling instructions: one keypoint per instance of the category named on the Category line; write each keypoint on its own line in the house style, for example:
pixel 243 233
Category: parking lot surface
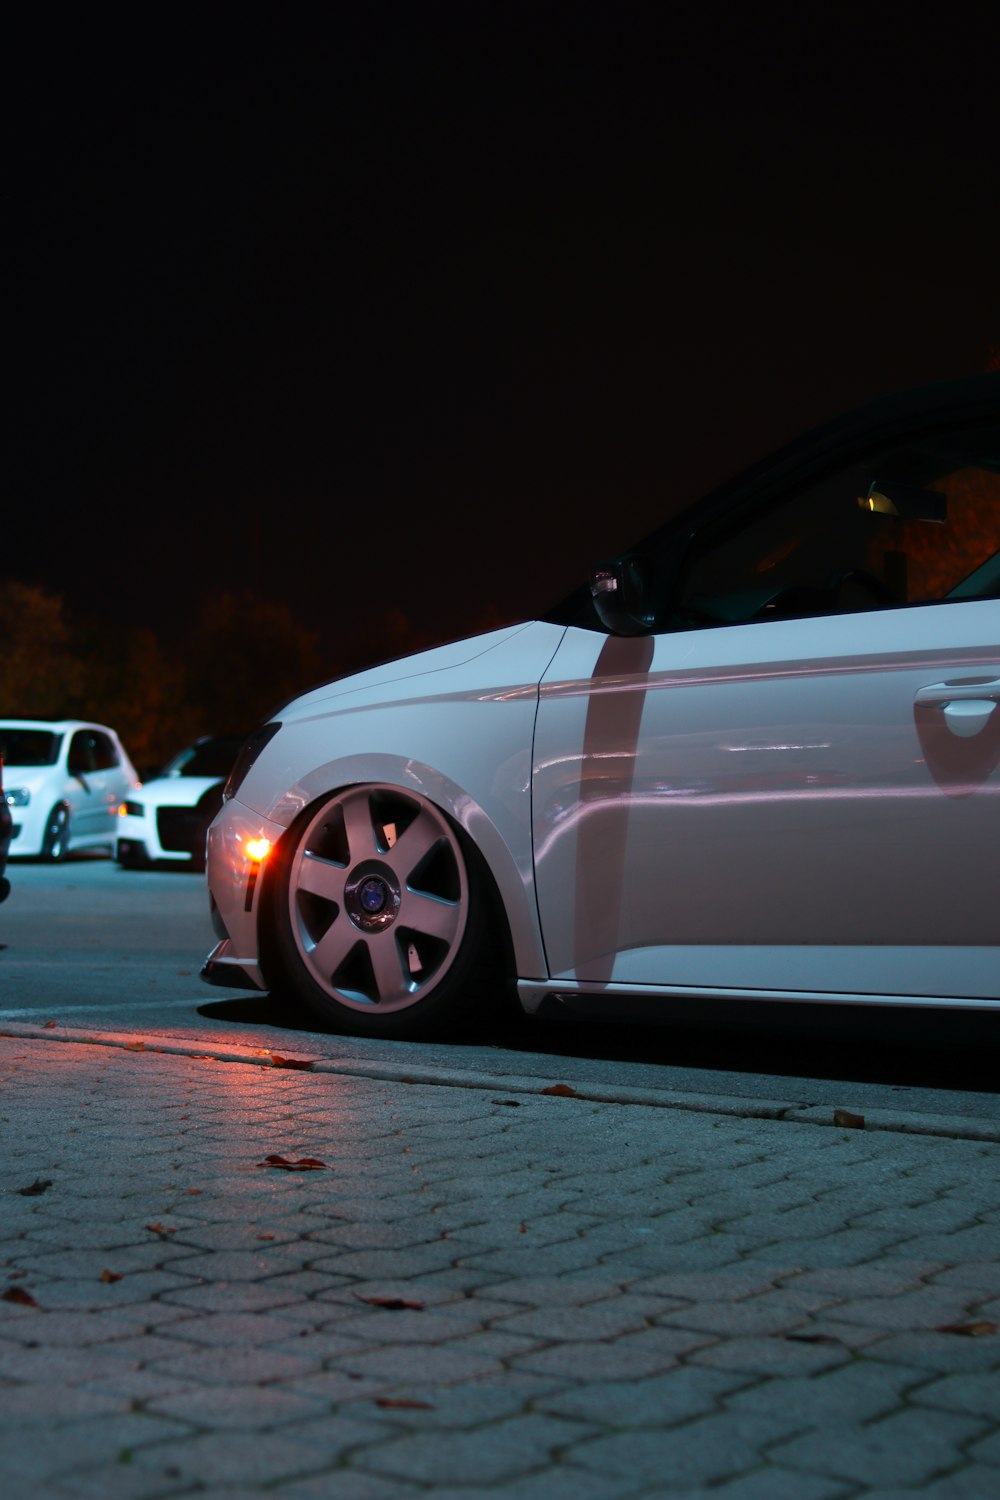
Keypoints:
pixel 226 1275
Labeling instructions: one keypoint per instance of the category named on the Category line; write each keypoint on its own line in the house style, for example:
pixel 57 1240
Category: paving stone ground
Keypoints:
pixel 478 1294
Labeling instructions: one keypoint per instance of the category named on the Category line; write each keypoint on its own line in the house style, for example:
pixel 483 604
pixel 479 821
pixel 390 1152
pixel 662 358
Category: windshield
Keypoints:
pixel 211 757
pixel 29 747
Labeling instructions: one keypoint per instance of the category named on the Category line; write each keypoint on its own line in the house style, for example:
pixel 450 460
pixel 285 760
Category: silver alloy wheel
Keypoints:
pixel 378 894
pixel 55 844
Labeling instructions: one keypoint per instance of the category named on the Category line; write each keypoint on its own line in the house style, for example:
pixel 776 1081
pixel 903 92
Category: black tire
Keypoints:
pixel 379 908
pixel 55 843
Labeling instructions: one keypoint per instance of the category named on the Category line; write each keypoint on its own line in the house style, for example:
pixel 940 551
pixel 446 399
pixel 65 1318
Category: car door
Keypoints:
pixel 86 812
pixel 107 781
pixel 805 800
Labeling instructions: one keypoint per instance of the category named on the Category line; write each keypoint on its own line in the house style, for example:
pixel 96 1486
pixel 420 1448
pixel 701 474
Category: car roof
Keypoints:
pixel 55 724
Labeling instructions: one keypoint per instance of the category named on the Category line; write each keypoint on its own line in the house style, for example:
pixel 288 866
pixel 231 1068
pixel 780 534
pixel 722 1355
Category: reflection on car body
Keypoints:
pixel 758 756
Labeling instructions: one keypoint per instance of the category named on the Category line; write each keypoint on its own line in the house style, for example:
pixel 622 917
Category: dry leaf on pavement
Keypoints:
pixel 287 1164
pixel 970 1330
pixel 393 1304
pixel 404 1403
pixel 277 1061
pixel 107 1276
pixel 19 1295
pixel 847 1120
pixel 561 1091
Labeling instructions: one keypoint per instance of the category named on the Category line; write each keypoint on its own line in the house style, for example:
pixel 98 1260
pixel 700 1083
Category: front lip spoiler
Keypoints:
pixel 230 973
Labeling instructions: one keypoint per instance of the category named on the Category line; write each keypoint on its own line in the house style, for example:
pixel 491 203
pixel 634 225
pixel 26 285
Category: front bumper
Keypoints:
pixel 228 972
pixel 234 884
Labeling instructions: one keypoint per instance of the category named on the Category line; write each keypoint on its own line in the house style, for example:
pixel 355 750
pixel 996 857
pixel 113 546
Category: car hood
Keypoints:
pixel 176 791
pixel 379 681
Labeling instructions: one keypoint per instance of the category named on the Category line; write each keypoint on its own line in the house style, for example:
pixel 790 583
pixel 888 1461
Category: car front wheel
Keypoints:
pixel 379 915
pixel 55 843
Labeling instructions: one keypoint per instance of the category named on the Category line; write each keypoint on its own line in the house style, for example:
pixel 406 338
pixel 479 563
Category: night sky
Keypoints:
pixel 407 314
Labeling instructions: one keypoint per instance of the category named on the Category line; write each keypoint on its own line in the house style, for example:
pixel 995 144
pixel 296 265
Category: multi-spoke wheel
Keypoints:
pixel 377 912
pixel 55 843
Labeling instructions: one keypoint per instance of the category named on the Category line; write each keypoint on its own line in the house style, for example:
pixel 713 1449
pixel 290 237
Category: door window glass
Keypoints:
pixel 82 758
pixel 105 754
pixel 900 527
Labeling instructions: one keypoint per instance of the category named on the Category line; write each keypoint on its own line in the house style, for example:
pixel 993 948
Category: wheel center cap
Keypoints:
pixel 372 896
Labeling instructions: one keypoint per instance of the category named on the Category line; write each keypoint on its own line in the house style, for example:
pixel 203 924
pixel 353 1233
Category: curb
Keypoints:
pixel 797 1112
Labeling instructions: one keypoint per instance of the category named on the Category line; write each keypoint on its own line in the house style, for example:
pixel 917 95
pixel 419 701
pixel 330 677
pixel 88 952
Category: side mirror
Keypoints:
pixel 622 596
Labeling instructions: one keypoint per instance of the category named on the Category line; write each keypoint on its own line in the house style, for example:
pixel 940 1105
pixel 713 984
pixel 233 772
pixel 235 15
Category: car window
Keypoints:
pixel 213 757
pixel 106 757
pixel 81 759
pixel 30 747
pixel 909 526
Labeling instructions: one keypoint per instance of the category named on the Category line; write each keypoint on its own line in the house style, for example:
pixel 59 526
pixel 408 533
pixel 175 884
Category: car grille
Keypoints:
pixel 181 830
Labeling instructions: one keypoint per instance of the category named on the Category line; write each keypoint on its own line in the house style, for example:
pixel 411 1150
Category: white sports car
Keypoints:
pixel 166 823
pixel 758 757
pixel 64 780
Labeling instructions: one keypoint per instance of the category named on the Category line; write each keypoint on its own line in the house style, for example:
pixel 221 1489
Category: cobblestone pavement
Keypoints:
pixel 482 1291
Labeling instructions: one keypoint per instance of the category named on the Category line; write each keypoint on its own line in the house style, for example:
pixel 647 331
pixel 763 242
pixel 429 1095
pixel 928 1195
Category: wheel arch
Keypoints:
pixel 505 872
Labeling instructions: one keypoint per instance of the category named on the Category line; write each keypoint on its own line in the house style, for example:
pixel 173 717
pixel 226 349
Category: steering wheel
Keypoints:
pixel 856 588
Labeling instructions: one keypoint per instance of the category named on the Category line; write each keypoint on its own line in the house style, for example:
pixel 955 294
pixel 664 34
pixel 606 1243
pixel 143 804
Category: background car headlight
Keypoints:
pixel 17 796
pixel 131 810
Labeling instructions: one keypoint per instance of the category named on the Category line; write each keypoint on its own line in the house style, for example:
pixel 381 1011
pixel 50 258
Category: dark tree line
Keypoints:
pixel 240 658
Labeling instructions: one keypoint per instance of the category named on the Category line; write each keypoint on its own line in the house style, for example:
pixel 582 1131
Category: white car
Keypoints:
pixel 167 821
pixel 64 780
pixel 756 758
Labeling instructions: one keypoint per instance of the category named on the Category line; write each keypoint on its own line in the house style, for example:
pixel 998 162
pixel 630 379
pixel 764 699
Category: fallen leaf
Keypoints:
pixel 287 1164
pixel 403 1403
pixel 277 1061
pixel 19 1295
pixel 50 1025
pixel 107 1276
pixel 847 1120
pixel 136 1047
pixel 510 1103
pixel 265 1236
pixel 393 1304
pixel 38 1186
pixel 161 1228
pixel 811 1338
pixel 561 1091
pixel 193 1192
pixel 969 1330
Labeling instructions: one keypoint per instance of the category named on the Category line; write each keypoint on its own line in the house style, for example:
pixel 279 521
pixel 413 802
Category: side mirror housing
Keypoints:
pixel 622 596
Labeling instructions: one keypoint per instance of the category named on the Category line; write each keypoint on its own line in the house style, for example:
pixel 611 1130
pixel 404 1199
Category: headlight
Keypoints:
pixel 18 796
pixel 131 810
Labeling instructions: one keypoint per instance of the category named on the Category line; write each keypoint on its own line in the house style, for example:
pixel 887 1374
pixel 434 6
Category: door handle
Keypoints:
pixel 966 705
